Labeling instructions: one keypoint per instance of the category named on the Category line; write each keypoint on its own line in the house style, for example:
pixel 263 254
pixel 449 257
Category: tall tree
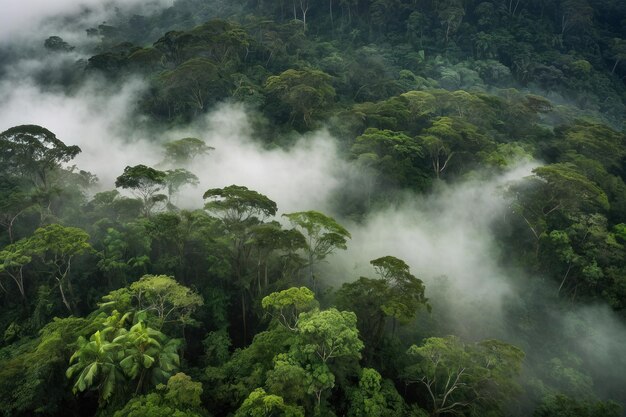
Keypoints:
pixel 96 367
pixel 145 182
pixel 323 235
pixel 240 209
pixel 33 152
pixel 182 151
pixel 457 376
pixel 57 246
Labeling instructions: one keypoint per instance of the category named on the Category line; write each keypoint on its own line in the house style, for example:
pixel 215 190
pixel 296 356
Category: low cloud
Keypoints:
pixel 25 20
pixel 447 240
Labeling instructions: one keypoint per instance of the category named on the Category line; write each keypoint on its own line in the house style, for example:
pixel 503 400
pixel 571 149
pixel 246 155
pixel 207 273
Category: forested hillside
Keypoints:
pixel 363 208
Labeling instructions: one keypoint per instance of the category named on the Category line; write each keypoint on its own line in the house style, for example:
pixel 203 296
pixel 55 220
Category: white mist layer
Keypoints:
pixel 447 240
pixel 25 20
pixel 102 122
pixel 97 121
pixel 302 177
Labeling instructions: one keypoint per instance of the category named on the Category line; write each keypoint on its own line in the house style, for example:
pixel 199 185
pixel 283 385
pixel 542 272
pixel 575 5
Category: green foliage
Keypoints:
pixel 261 404
pixel 286 306
pixel 192 87
pixel 56 246
pixel 116 355
pixel 180 398
pixel 237 204
pixel 395 156
pixel 329 334
pixel 406 291
pixel 456 376
pixel 183 392
pixel 161 297
pixel 305 92
pixel 96 367
pixel 323 236
pixel 184 150
pixel 145 182
pixel 32 374
pixel 367 400
pixel 563 406
pixel 33 152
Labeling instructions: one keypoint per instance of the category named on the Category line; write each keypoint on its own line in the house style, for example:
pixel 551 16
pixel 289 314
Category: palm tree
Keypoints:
pixel 148 355
pixel 97 366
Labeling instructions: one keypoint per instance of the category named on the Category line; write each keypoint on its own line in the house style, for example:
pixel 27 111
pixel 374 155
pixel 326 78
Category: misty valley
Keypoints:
pixel 359 208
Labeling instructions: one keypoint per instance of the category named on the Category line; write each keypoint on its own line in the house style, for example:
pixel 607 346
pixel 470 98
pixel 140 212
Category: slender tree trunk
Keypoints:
pixel 243 316
pixel 140 383
pixel 569 268
pixel 67 304
pixel 330 6
pixel 615 66
pixel 311 276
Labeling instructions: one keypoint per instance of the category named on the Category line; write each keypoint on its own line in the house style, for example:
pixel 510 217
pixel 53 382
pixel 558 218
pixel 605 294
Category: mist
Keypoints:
pixel 102 120
pixel 34 20
pixel 448 239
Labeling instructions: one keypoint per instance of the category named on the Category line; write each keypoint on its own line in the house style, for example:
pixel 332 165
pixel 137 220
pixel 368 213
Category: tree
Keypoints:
pixel 576 14
pixel 183 151
pixel 96 367
pixel 160 296
pixel 148 356
pixel 177 178
pixel 13 259
pixel 57 246
pixel 618 50
pixel 450 14
pixel 270 238
pixel 406 291
pixel 393 154
pixel 305 92
pixel 367 400
pixel 457 376
pixel 183 392
pixel 57 44
pixel 170 301
pixel 564 406
pixel 323 235
pixel 556 189
pixel 286 306
pixel 329 334
pixel 237 204
pixel 261 404
pixel 115 355
pixel 145 183
pixel 397 294
pixel 193 86
pixel 32 375
pixel 238 207
pixel 16 200
pixel 366 297
pixel 450 136
pixel 33 152
pixel 288 378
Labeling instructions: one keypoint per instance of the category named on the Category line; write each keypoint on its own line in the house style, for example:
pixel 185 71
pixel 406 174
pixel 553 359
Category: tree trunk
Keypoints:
pixel 67 304
pixel 243 316
pixel 615 66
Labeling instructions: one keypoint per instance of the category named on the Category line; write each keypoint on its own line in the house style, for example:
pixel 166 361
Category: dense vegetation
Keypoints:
pixel 120 303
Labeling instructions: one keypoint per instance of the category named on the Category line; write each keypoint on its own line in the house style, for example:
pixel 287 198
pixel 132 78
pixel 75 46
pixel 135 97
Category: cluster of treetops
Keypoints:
pixel 121 306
